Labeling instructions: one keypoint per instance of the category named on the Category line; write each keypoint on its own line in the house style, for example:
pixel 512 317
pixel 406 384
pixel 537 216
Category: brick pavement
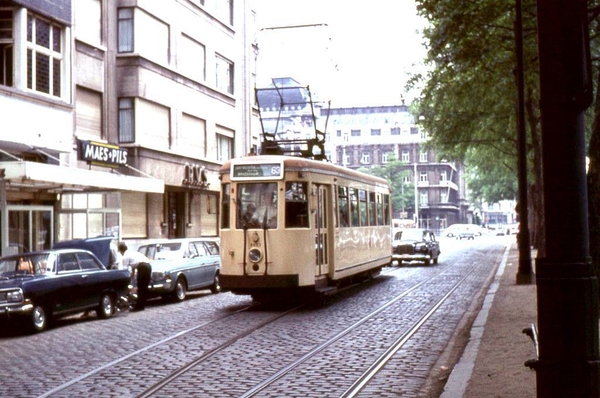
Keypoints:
pixel 492 364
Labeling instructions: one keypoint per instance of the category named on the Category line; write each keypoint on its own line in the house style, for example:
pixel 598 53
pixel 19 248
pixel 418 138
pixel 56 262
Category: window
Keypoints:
pixel 44 56
pixel 375 132
pixel 355 133
pixel 6 47
pixel 414 130
pixel 88 112
pixel 343 206
pixel 125 30
pixel 224 10
pixel 191 137
pixel 423 198
pixel 423 156
pixel 405 156
pixel 384 157
pixel 354 207
pixel 362 196
pixel 423 176
pixel 224 147
pixel 338 133
pixel 296 205
pixel 406 178
pixel 225 200
pixel 395 130
pixel 88 20
pixel 443 175
pixel 191 60
pixel 372 211
pixel 365 158
pixel 126 120
pixel 444 197
pixel 224 74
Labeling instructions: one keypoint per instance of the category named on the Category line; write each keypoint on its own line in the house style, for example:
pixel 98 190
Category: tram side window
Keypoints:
pixel 386 208
pixel 343 206
pixel 296 205
pixel 354 207
pixel 372 213
pixel 362 206
pixel 225 201
pixel 379 210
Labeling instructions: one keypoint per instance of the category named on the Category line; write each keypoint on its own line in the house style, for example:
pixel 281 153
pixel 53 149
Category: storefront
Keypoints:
pixel 41 203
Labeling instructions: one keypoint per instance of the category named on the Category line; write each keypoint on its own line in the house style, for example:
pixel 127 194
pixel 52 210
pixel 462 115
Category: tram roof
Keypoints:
pixel 294 163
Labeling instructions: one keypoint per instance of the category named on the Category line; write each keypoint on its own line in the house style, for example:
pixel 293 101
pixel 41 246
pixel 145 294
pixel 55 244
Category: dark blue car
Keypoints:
pixel 40 286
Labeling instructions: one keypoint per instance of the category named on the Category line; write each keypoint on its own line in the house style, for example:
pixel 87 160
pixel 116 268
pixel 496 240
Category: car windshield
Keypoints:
pixel 411 234
pixel 26 264
pixel 168 251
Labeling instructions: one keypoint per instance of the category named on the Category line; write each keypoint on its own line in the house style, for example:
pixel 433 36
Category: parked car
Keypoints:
pixel 40 286
pixel 415 244
pixel 182 265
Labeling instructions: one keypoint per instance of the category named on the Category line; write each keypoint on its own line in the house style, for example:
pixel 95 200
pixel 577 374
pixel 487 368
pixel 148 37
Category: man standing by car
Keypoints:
pixel 139 266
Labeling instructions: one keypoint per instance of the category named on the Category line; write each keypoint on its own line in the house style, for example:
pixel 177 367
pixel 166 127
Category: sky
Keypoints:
pixel 358 53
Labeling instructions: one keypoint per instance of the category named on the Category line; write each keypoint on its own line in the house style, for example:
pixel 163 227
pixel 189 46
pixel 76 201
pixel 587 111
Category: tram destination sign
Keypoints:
pixel 254 171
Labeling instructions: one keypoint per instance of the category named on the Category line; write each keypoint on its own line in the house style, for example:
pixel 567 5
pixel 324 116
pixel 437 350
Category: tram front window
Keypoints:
pixel 257 205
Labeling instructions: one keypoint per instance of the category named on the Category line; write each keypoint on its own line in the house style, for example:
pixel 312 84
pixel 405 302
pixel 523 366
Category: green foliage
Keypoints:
pixel 468 104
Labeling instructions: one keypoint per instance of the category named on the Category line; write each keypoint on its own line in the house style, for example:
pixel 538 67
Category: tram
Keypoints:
pixel 291 225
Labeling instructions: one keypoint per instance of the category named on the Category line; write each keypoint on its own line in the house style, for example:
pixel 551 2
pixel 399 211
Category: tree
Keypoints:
pixel 468 101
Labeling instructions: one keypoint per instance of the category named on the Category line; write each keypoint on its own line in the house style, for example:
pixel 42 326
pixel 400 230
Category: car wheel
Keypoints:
pixel 216 286
pixel 106 307
pixel 426 262
pixel 435 260
pixel 39 318
pixel 180 289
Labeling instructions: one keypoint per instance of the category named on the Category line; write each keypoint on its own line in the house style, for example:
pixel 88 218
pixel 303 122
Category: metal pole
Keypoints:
pixel 525 272
pixel 567 287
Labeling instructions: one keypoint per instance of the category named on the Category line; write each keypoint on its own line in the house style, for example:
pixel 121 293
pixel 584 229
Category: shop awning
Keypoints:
pixel 54 178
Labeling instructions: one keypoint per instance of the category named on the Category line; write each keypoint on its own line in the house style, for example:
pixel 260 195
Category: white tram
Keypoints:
pixel 291 224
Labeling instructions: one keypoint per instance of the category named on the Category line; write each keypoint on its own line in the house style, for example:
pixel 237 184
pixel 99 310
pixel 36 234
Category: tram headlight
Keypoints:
pixel 255 255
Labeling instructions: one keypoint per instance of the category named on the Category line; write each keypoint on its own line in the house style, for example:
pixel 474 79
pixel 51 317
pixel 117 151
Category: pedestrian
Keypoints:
pixel 139 266
pixel 131 258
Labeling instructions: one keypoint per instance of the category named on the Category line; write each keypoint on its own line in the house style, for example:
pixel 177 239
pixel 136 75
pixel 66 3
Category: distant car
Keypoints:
pixel 497 229
pixel 182 265
pixel 39 286
pixel 462 231
pixel 467 233
pixel 415 244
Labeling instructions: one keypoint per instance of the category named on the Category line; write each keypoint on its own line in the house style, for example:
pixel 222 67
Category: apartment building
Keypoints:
pixel 116 116
pixel 363 137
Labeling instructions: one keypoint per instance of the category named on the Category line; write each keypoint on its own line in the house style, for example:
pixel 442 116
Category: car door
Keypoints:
pixel 212 261
pixel 434 248
pixel 199 260
pixel 94 279
pixel 68 296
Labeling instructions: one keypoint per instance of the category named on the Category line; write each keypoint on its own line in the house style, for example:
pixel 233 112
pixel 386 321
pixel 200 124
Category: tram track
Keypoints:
pixel 284 363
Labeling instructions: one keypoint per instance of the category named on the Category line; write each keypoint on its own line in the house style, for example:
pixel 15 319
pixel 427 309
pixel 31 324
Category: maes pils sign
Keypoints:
pixel 101 154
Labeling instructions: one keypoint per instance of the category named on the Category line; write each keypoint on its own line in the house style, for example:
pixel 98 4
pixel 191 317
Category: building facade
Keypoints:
pixel 371 136
pixel 117 115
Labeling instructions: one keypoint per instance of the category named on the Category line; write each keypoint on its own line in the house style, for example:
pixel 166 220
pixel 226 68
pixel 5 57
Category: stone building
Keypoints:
pixel 368 137
pixel 117 115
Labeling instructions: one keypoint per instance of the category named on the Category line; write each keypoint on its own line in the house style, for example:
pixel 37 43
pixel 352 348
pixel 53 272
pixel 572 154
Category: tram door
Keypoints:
pixel 321 234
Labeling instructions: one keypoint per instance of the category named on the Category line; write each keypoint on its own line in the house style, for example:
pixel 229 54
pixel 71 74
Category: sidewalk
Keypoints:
pixel 492 364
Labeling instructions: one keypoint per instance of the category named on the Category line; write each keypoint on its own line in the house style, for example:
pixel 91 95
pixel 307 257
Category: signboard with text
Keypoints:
pixel 255 171
pixel 101 154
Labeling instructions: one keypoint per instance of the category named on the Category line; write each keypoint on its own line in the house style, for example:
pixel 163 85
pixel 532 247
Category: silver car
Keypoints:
pixel 182 265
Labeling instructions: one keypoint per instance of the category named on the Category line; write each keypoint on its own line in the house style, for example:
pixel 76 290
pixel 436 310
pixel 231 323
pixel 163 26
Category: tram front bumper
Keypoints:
pixel 257 281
